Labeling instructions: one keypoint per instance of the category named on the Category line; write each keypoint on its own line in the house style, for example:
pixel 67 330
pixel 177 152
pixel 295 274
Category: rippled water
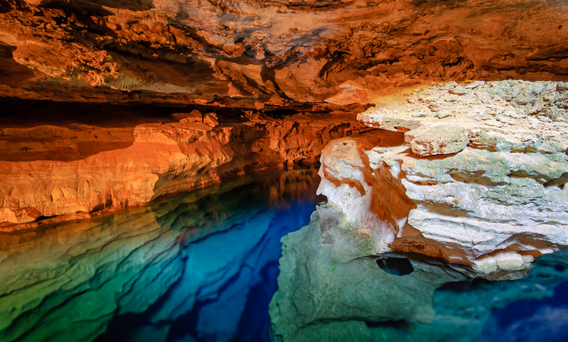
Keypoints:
pixel 202 266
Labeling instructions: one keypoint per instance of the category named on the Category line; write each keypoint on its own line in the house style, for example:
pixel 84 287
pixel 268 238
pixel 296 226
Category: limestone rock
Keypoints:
pixel 373 202
pixel 437 139
pixel 318 285
pixel 303 51
pixel 464 309
pixel 488 198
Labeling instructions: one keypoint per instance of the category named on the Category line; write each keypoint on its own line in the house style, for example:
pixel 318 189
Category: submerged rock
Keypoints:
pixel 319 283
pixel 322 297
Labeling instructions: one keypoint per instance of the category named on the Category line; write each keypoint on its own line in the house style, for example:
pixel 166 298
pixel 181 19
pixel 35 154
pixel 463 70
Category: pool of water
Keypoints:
pixel 203 266
pixel 199 266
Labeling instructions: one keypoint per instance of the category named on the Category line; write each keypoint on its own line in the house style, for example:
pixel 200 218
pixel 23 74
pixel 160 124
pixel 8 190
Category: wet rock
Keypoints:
pixel 309 307
pixel 317 285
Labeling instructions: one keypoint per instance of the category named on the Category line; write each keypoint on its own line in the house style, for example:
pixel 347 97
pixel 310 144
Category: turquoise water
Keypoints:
pixel 203 266
pixel 199 266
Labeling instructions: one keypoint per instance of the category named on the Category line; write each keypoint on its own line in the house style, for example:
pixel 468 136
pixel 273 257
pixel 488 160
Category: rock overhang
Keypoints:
pixel 340 51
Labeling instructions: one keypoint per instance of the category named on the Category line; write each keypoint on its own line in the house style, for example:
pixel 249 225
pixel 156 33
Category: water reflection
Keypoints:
pixel 201 266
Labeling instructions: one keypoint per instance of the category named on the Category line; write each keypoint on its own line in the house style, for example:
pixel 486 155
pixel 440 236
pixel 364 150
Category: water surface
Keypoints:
pixel 199 266
pixel 202 266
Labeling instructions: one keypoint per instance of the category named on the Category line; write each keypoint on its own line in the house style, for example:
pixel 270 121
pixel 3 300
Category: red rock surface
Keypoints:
pixel 49 170
pixel 271 58
pixel 301 50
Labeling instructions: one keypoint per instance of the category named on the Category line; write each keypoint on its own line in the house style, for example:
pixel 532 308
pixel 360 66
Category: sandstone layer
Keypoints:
pixel 76 169
pixel 308 51
pixel 478 181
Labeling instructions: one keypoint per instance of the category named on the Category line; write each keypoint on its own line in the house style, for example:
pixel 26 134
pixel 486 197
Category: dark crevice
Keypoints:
pixel 395 266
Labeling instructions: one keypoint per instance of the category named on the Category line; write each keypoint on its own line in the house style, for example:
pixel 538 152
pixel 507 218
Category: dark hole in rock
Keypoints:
pixel 399 325
pixel 395 266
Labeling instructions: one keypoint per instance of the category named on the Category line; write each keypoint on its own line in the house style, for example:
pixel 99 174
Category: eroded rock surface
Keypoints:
pixel 49 170
pixel 485 164
pixel 309 51
pixel 319 283
pixel 323 297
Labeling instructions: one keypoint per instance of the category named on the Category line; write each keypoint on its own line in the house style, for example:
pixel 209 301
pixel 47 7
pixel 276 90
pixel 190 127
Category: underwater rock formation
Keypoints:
pixel 326 295
pixel 75 169
pixel 479 179
pixel 322 279
pixel 69 281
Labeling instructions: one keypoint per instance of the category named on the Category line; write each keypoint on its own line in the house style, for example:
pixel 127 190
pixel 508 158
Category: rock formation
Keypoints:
pixel 269 58
pixel 76 169
pixel 441 126
pixel 325 295
pixel 478 181
pixel 308 51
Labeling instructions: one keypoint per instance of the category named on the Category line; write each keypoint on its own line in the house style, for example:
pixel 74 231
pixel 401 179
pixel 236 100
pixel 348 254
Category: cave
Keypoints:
pixel 283 170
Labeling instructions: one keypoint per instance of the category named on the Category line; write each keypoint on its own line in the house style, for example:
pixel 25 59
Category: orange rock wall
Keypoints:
pixel 48 170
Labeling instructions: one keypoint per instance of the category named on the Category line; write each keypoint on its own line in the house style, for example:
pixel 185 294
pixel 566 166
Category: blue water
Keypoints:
pixel 199 266
pixel 203 266
pixel 542 315
pixel 242 266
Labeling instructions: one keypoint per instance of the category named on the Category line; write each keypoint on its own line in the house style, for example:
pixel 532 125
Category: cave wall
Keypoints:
pixel 77 168
pixel 306 51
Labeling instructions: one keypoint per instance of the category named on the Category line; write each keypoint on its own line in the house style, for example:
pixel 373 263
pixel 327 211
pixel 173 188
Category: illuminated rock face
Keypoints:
pixel 307 51
pixel 479 179
pixel 68 169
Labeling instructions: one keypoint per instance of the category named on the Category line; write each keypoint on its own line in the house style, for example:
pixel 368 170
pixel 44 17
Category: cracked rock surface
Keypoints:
pixel 486 178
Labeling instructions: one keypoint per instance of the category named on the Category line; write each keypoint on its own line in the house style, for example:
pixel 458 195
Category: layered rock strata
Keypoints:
pixel 76 169
pixel 325 295
pixel 478 181
pixel 68 281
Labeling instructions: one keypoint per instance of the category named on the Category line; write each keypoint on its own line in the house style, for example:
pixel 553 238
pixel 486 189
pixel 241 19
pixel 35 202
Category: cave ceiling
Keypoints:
pixel 278 53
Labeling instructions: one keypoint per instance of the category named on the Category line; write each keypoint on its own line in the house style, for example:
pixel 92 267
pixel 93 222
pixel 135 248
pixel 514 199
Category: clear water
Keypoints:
pixel 200 266
pixel 203 266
